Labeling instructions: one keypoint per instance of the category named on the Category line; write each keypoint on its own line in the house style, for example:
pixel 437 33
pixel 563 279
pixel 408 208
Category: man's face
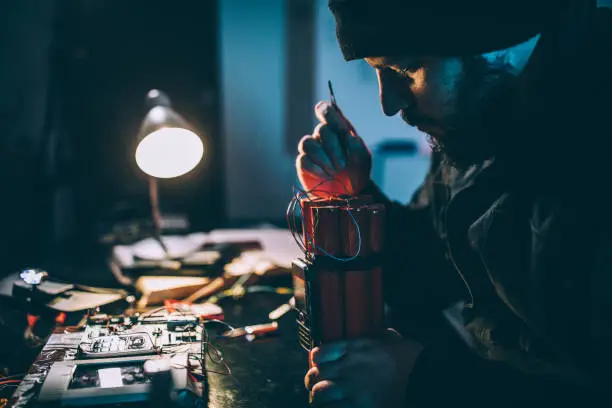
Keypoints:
pixel 458 102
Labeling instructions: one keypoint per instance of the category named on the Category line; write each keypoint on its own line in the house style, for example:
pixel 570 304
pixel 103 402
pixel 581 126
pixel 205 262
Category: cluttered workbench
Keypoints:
pixel 231 343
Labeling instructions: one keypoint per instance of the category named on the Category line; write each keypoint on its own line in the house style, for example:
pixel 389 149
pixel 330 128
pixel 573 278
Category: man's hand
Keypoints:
pixel 332 160
pixel 361 373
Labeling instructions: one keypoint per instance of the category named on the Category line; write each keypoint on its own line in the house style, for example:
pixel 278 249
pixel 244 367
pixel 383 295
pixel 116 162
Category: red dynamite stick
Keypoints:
pixel 377 307
pixel 358 231
pixel 356 295
pixel 357 303
pixel 307 206
pixel 328 280
pixel 346 228
pixel 364 298
pixel 326 237
pixel 332 316
pixel 307 224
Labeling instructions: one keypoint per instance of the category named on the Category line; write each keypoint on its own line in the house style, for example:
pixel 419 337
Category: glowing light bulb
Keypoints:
pixel 169 152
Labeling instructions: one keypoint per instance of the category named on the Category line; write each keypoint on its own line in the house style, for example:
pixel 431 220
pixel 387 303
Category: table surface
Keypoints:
pixel 266 373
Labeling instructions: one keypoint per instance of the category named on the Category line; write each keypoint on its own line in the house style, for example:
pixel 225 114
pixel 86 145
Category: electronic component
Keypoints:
pixel 99 318
pixel 182 322
pixel 116 320
pixel 109 381
pixel 107 336
pixel 118 346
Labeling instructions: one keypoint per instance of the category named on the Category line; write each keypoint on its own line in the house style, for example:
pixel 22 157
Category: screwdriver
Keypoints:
pixel 253 330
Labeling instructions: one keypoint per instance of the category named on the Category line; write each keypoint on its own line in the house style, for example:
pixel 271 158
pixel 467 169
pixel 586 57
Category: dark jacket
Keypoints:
pixel 525 243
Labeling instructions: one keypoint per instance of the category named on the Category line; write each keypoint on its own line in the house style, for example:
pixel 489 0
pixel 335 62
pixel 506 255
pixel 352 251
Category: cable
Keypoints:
pixel 292 223
pixel 150 313
pixel 221 322
pixel 205 350
pixel 10 377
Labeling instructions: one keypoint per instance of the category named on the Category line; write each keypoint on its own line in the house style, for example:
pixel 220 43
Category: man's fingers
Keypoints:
pixel 324 372
pixel 312 377
pixel 328 353
pixel 326 113
pixel 326 392
pixel 359 151
pixel 304 164
pixel 312 148
pixel 357 144
pixel 331 144
pixel 335 351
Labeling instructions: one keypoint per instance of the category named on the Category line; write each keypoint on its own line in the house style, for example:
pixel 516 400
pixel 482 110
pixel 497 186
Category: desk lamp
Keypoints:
pixel 167 148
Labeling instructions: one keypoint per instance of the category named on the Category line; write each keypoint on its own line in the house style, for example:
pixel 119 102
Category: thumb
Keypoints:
pixel 334 118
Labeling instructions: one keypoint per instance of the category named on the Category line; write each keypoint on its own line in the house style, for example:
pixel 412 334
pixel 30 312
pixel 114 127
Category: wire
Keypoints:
pixel 358 240
pixel 292 222
pixel 174 348
pixel 294 204
pixel 10 377
pixel 205 350
pixel 151 313
pixel 251 289
pixel 221 322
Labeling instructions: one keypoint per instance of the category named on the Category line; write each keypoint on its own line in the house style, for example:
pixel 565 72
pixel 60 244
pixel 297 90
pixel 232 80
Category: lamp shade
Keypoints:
pixel 167 146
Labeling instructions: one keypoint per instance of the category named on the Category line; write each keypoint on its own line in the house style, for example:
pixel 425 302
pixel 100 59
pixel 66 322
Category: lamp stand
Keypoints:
pixel 156 215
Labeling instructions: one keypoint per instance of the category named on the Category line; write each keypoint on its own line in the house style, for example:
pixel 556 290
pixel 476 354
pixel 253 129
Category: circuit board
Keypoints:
pixel 163 329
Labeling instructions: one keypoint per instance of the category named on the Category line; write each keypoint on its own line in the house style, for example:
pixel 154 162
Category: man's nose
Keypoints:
pixel 393 96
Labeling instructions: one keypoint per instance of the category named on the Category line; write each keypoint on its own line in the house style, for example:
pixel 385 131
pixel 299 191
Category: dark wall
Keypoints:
pixel 25 33
pixel 108 54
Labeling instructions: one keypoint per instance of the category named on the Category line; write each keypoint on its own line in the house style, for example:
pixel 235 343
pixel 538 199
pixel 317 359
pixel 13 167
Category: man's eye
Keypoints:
pixel 408 70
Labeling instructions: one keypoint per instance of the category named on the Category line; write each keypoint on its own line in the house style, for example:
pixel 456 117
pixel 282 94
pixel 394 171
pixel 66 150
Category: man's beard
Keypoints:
pixel 479 128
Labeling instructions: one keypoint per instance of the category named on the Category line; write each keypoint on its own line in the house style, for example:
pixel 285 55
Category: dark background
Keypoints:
pixel 76 74
pixel 108 55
